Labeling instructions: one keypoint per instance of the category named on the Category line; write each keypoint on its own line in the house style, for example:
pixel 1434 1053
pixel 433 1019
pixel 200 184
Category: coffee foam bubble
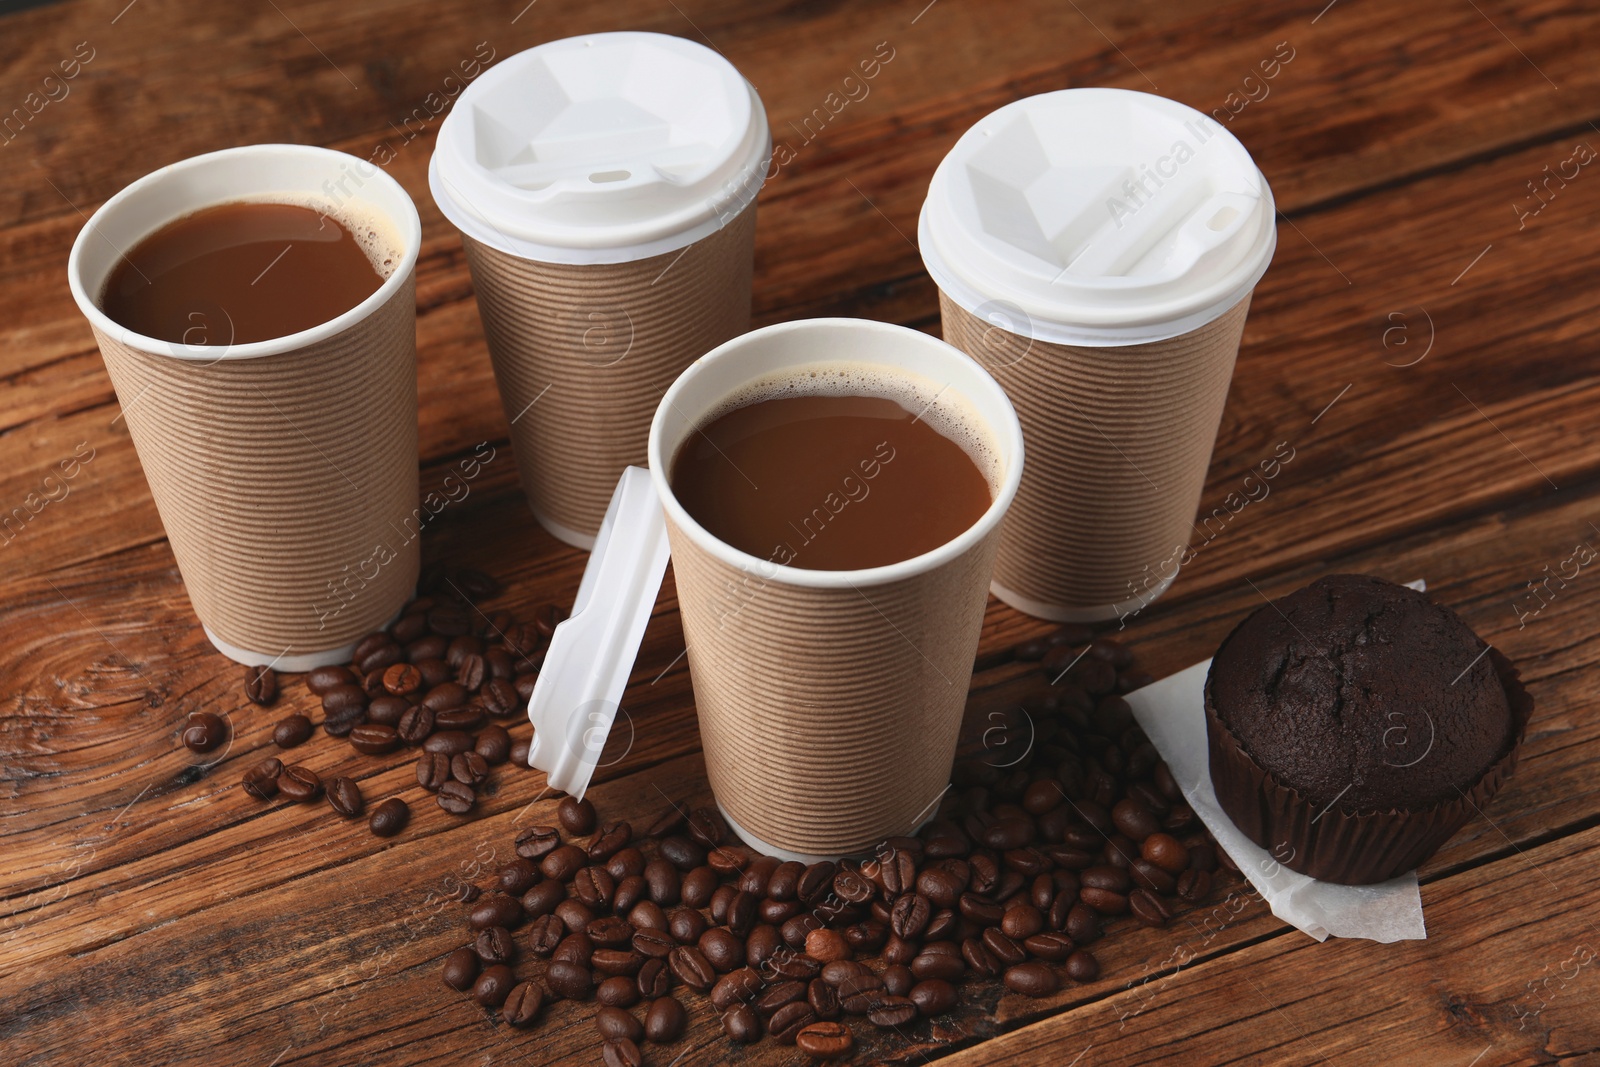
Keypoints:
pixel 373 232
pixel 950 414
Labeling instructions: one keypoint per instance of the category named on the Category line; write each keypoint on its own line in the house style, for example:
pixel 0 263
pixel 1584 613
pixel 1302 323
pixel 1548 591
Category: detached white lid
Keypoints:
pixel 579 689
pixel 601 149
pixel 1103 216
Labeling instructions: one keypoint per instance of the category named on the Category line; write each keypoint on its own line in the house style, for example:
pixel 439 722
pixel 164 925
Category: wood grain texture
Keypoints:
pixel 151 913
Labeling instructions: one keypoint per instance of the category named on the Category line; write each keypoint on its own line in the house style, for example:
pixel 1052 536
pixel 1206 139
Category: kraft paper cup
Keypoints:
pixel 284 471
pixel 830 701
pixel 604 187
pixel 1096 250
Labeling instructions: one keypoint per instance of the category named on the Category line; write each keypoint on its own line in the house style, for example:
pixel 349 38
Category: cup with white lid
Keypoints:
pixel 605 188
pixel 1096 250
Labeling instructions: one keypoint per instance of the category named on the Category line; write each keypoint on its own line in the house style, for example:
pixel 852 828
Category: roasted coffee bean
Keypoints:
pixel 910 915
pixel 794 966
pixel 204 732
pixel 610 931
pixel 1021 921
pixel 322 679
pixel 545 934
pixel 467 719
pixel 261 781
pixel 423 649
pixel 1194 885
pixel 573 981
pixel 576 914
pixel 416 726
pixel 616 1024
pixel 815 881
pixel 1006 950
pixel 381 657
pixel 933 996
pixel 448 742
pixel 789 1020
pixel 370 644
pixel 722 949
pixel 666 884
pixel 1031 979
pixel 1148 908
pixel 523 1004
pixel 495 945
pixel 1148 876
pixel 618 991
pixel 456 798
pixel 374 739
pixel 563 862
pixel 777 912
pixel 741 1023
pixel 696 887
pixel 1104 901
pixel 493 744
pixel 615 961
pixel 1082 967
pixel 855 985
pixel 784 884
pixel 461 969
pixel 1134 820
pixel 826 945
pixel 691 968
pixel 299 784
pixel 891 1012
pixel 1166 852
pixel 730 861
pixel 1106 877
pixel 434 671
pixel 344 796
pixel 982 912
pixel 520 748
pixel 983 963
pixel 536 842
pixel 736 987
pixel 1202 857
pixel 1083 925
pixel 762 944
pixel 825 1040
pixel 621 1052
pixel 469 768
pixel 389 818
pixel 494 985
pixel 495 909
pixel 654 943
pixel 500 698
pixel 686 925
pixel 777 994
pixel 851 886
pixel 946 965
pixel 654 979
pixel 1049 946
pixel 612 839
pixel 576 816
pixel 666 1020
pixel 741 916
pixel 445 696
pixel 866 936
pixel 402 679
pixel 388 710
pixel 260 685
pixel 897 872
pixel 517 877
pixel 898 980
pixel 574 948
pixel 824 999
pixel 471 672
pixel 631 892
pixel 433 770
pixel 943 885
pixel 593 887
pixel 756 875
pixel 946 925
pixel 897 949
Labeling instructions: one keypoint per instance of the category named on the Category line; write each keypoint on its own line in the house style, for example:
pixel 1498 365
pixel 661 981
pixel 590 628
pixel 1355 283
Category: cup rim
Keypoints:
pixel 1008 439
pixel 408 226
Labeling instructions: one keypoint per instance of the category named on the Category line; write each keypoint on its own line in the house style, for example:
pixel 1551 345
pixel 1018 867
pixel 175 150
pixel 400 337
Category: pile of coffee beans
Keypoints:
pixel 436 680
pixel 1033 858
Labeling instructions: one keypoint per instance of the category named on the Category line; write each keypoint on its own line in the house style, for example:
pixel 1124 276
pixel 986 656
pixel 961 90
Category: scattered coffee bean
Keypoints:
pixel 261 781
pixel 741 1023
pixel 456 798
pixel 576 816
pixel 1082 966
pixel 569 980
pixel 374 739
pixel 299 784
pixel 260 685
pixel 621 1052
pixel 292 731
pixel 522 1005
pixel 666 1020
pixel 1031 979
pixel 469 768
pixel 494 985
pixel 495 945
pixel 322 679
pixel 204 732
pixel 825 1040
pixel 616 1023
pixel 461 969
pixel 494 745
pixel 389 818
pixel 344 796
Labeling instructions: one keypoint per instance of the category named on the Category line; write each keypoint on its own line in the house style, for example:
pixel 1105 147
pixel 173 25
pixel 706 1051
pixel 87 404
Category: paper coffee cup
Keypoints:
pixel 284 471
pixel 1095 250
pixel 605 190
pixel 830 701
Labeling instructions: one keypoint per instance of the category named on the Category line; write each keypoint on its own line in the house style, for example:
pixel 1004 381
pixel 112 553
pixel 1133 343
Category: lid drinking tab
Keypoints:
pixel 1102 216
pixel 600 149
pixel 579 689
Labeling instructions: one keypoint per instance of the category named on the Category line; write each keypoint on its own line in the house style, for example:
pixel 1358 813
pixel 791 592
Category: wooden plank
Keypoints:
pixel 1509 974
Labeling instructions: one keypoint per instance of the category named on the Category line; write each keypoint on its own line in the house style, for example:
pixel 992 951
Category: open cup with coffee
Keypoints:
pixel 255 310
pixel 832 491
pixel 1096 250
pixel 605 188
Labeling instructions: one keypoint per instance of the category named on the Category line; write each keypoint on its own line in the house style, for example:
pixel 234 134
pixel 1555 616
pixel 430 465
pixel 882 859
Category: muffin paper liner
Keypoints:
pixel 1351 848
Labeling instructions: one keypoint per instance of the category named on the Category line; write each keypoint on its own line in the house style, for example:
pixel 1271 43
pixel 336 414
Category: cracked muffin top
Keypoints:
pixel 1358 692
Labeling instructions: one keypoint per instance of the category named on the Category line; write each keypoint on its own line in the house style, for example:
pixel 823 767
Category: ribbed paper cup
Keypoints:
pixel 830 701
pixel 1096 250
pixel 605 189
pixel 582 354
pixel 1119 440
pixel 284 471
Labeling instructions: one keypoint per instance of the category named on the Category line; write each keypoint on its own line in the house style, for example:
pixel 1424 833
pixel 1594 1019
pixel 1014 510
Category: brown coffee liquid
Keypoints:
pixel 828 482
pixel 237 273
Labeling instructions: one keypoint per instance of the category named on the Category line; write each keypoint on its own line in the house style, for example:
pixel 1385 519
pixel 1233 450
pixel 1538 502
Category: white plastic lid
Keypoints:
pixel 601 149
pixel 1103 216
pixel 586 668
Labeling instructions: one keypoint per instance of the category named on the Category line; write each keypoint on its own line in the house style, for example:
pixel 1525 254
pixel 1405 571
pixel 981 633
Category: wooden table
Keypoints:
pixel 1424 342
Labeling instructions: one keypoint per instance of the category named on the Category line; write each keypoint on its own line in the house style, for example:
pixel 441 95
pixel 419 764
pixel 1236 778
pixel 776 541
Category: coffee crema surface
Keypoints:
pixel 825 480
pixel 243 272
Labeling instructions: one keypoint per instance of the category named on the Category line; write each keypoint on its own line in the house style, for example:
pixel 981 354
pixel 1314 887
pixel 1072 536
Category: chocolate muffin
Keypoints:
pixel 1355 725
